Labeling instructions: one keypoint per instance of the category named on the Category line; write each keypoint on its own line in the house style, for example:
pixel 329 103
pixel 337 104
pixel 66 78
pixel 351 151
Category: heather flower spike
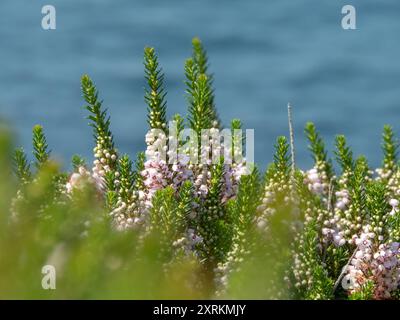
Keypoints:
pixel 40 147
pixel 200 60
pixel 22 167
pixel 155 93
pixel 104 151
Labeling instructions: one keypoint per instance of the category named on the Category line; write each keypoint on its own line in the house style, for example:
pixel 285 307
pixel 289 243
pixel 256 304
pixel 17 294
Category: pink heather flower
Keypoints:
pixel 78 180
pixel 394 202
pixel 314 180
pixel 377 263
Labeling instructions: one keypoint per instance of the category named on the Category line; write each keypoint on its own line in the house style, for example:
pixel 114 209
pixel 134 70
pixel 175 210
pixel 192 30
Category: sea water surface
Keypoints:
pixel 263 54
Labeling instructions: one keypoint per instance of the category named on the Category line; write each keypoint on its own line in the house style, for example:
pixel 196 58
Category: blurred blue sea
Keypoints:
pixel 263 54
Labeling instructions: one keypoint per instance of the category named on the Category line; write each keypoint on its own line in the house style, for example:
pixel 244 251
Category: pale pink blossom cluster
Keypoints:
pixel 211 149
pixel 383 173
pixel 189 241
pixel 266 209
pixel 158 174
pixel 83 177
pixel 224 269
pixel 314 181
pixel 393 182
pixel 277 192
pixel 334 235
pixel 105 159
pixel 129 215
pixel 394 203
pixel 155 175
pixel 376 263
pixel 232 175
pixel 201 182
pixel 342 199
pixel 337 227
pixel 156 142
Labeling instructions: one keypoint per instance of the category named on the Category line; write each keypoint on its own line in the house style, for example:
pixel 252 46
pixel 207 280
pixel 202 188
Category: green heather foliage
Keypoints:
pixel 143 229
pixel 155 94
pixel 40 147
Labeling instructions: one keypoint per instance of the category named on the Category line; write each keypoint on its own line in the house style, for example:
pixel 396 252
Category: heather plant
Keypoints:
pixel 169 225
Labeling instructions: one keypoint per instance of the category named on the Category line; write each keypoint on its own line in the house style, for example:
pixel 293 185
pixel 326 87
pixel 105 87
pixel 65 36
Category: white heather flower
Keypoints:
pixel 315 179
pixel 78 180
pixel 382 267
pixel 394 202
pixel 340 205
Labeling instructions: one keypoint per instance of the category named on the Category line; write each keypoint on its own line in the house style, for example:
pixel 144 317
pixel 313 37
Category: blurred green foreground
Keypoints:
pixel 93 261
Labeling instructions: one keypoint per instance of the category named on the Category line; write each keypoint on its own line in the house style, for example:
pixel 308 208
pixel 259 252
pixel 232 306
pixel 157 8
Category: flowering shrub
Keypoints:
pixel 166 226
